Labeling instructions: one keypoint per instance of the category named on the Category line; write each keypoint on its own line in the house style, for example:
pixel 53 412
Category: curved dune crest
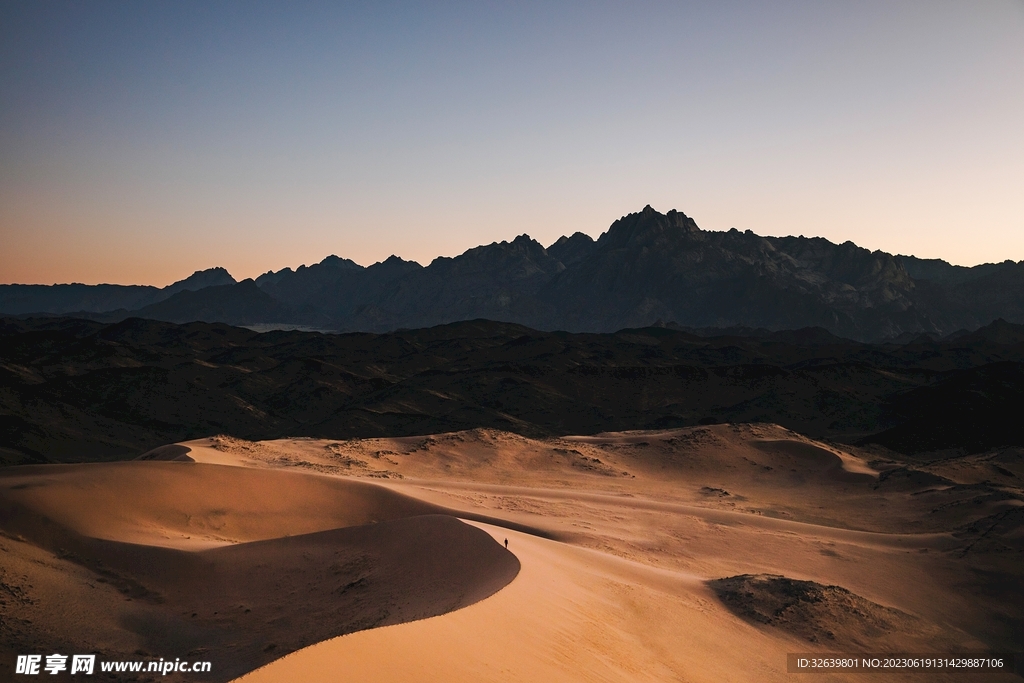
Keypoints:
pixel 194 505
pixel 573 615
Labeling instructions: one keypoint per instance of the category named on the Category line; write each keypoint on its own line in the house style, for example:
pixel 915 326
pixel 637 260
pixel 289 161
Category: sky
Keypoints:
pixel 141 141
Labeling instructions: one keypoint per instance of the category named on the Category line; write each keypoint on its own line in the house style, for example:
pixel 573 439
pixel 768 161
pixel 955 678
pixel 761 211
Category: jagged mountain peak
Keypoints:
pixel 570 250
pixel 522 246
pixel 647 226
pixel 395 264
pixel 522 242
pixel 330 264
pixel 575 237
pixel 201 279
pixel 334 261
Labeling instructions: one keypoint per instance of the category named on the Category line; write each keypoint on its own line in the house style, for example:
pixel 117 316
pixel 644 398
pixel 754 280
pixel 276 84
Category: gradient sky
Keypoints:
pixel 141 141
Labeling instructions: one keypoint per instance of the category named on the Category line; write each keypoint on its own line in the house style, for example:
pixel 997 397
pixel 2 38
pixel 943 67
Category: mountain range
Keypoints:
pixel 79 298
pixel 648 268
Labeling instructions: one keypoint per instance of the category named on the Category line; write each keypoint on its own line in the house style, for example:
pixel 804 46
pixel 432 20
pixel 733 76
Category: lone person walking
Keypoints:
pixel 506 544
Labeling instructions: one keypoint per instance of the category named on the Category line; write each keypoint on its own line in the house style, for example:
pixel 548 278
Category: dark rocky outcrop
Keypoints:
pixel 812 611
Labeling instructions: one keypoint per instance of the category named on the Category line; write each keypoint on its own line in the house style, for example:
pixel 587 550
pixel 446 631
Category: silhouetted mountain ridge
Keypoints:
pixel 79 298
pixel 647 268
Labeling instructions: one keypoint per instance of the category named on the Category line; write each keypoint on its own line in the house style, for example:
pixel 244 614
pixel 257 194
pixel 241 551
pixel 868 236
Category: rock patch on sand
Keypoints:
pixel 810 610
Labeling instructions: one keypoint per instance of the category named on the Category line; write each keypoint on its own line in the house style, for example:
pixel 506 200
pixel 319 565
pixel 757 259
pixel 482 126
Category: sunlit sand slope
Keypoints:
pixel 743 542
pixel 571 615
pixel 225 564
pixel 700 554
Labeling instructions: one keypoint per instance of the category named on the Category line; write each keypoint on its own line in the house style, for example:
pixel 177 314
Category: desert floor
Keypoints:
pixel 700 554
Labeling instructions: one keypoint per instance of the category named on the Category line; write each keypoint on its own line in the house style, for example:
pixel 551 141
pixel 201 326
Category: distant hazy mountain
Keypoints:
pixel 333 289
pixel 78 298
pixel 648 268
pixel 234 304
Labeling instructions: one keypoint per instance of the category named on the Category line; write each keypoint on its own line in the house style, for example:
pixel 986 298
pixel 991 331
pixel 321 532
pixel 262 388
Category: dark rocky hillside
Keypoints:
pixel 82 390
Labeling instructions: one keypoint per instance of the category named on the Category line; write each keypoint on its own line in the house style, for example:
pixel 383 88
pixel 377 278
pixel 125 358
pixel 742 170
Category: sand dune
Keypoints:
pixel 172 452
pixel 189 505
pixel 713 503
pixel 578 615
pixel 700 554
pixel 233 565
pixel 571 615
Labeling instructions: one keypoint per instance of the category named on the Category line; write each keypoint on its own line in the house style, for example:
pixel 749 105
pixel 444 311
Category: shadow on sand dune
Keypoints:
pixel 383 559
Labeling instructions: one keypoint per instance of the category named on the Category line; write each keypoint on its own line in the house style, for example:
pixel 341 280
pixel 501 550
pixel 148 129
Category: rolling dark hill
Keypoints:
pixel 976 409
pixel 77 390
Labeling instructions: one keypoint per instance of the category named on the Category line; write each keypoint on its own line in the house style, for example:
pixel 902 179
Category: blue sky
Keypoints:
pixel 142 141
